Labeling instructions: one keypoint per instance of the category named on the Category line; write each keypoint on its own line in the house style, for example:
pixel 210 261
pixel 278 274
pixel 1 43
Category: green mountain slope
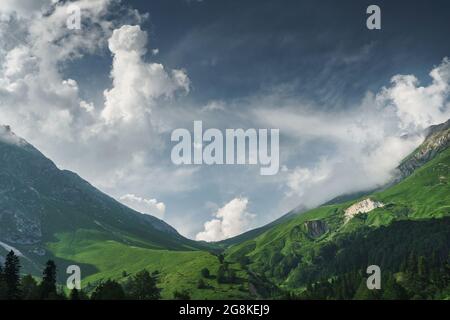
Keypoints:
pixel 47 213
pixel 178 270
pixel 256 232
pixel 288 254
pixel 38 199
pixel 437 139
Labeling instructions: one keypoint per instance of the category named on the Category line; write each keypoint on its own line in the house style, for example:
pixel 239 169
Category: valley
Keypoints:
pixel 46 213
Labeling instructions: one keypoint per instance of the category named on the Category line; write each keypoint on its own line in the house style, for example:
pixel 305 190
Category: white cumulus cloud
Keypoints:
pixel 136 84
pixel 416 106
pixel 230 220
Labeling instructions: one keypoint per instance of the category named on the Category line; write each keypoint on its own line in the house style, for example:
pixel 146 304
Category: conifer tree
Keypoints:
pixel 3 288
pixel 421 266
pixel 12 276
pixel 74 294
pixel 142 286
pixel 48 284
pixel 108 290
pixel 392 290
pixel 30 288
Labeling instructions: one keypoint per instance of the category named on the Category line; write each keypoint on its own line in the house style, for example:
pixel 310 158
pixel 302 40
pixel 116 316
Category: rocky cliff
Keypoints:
pixel 316 228
pixel 363 206
pixel 437 139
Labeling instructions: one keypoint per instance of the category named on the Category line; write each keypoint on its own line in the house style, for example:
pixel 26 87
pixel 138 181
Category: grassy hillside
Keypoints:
pixel 283 253
pixel 104 258
pixel 38 201
pixel 48 213
pixel 283 257
pixel 300 254
pixel 251 234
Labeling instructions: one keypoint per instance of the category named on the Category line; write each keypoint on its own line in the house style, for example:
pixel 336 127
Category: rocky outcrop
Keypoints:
pixel 316 228
pixel 437 139
pixel 363 206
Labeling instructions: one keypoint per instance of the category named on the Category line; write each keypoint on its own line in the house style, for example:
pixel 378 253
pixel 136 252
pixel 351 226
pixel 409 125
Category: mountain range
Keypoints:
pixel 48 213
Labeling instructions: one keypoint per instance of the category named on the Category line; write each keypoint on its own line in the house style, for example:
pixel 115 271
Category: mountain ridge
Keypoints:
pixel 436 139
pixel 291 255
pixel 39 200
pixel 74 223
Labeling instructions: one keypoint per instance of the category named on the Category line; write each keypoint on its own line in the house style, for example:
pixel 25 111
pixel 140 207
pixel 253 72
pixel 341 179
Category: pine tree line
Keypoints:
pixel 141 286
pixel 417 278
pixel 13 287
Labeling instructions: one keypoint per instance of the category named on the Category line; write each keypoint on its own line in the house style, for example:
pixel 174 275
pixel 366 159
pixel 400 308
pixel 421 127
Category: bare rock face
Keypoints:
pixel 363 206
pixel 437 139
pixel 20 204
pixel 20 228
pixel 316 228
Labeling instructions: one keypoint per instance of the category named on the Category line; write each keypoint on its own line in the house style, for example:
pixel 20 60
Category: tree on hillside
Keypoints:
pixel 221 275
pixel 393 291
pixel 182 295
pixel 363 293
pixel 48 284
pixel 421 266
pixel 142 286
pixel 232 276
pixel 201 284
pixel 108 290
pixel 12 276
pixel 30 288
pixel 205 273
pixel 3 288
pixel 76 295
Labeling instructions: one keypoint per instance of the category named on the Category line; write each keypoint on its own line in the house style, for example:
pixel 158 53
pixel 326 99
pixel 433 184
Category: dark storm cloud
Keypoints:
pixel 321 48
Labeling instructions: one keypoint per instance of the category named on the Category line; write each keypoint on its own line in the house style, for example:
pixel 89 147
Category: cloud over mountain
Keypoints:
pixel 230 220
pixel 148 206
pixel 44 104
pixel 359 148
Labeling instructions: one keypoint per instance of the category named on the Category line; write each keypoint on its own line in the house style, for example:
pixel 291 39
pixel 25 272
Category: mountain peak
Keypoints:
pixel 39 202
pixel 6 128
pixel 8 136
pixel 437 139
pixel 5 131
pixel 430 131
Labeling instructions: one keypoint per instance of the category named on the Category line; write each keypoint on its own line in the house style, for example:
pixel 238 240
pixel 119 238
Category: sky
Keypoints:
pixel 102 101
